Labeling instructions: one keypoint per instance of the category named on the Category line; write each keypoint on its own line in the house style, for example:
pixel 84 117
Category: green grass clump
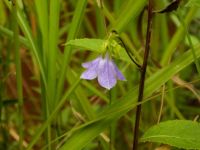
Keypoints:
pixel 45 105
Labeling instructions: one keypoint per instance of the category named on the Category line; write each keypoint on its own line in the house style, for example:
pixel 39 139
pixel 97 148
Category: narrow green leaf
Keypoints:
pixel 179 133
pixel 178 36
pixel 131 11
pixel 19 80
pixel 192 3
pixel 27 31
pixel 3 13
pixel 43 22
pixel 9 33
pixel 53 50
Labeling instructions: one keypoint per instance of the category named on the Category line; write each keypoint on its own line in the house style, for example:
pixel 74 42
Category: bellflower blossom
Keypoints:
pixel 104 69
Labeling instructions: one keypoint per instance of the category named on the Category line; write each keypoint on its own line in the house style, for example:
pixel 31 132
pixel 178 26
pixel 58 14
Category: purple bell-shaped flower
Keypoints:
pixel 104 69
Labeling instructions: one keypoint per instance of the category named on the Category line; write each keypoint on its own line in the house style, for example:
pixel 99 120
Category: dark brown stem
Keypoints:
pixel 129 53
pixel 142 78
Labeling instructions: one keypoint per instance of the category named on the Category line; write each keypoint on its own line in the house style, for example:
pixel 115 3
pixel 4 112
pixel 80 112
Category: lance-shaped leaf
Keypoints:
pixel 179 133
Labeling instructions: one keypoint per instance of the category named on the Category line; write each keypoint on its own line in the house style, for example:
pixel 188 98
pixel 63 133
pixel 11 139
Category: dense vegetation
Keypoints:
pixel 50 98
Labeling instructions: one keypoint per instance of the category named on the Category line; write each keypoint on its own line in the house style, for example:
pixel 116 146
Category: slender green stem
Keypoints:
pixel 27 31
pixel 3 71
pixel 53 50
pixel 18 73
pixel 43 22
pixel 190 43
pixel 161 103
pixel 9 33
pixel 170 98
pixel 54 12
pixel 129 53
pixel 45 113
pixel 177 37
pixel 110 128
pixel 101 22
pixel 142 78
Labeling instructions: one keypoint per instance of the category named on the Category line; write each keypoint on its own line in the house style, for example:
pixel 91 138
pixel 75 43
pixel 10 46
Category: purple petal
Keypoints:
pixel 91 72
pixel 118 73
pixel 106 74
pixel 91 63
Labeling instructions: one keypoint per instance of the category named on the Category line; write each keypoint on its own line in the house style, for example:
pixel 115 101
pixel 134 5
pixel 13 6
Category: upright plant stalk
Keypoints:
pixel 190 42
pixel 142 78
pixel 110 128
pixel 54 13
pixel 18 72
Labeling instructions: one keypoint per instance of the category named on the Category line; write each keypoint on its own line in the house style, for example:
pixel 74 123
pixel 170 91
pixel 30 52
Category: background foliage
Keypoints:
pixel 45 105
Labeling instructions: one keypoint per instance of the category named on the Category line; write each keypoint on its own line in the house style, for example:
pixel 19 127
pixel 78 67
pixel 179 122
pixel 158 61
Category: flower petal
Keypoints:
pixel 91 63
pixel 106 74
pixel 91 72
pixel 118 73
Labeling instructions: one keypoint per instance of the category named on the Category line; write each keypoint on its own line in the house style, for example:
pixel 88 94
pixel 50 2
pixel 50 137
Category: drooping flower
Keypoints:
pixel 104 69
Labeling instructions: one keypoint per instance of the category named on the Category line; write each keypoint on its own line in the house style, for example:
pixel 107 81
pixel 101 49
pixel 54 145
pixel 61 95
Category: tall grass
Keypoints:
pixel 40 73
